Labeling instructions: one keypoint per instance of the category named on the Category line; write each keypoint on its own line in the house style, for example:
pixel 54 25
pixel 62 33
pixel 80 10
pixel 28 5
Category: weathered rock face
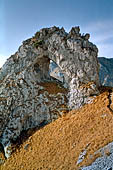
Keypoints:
pixel 105 71
pixel 77 96
pixel 105 162
pixel 23 101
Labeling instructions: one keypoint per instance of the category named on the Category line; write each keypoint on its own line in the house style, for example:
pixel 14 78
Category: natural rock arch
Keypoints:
pixel 23 102
pixel 75 56
pixel 73 53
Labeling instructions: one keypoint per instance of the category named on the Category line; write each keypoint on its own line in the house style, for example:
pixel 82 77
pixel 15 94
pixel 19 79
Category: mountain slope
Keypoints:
pixel 106 71
pixel 60 144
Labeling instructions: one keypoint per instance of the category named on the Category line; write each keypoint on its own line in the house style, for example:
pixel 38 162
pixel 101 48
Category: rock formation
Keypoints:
pixel 24 102
pixel 105 71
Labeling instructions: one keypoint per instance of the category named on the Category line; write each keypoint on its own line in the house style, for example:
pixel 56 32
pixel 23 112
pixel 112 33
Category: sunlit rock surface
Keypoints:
pixel 24 101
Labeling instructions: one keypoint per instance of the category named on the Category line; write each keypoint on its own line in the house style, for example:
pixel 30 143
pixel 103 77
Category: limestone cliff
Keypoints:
pixel 24 101
pixel 105 71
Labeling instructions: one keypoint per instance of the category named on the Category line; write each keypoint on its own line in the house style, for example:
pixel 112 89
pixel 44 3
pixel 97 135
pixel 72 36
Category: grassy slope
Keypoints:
pixel 58 145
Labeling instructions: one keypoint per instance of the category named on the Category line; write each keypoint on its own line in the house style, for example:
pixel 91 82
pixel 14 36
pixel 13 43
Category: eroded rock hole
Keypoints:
pixel 47 70
pixel 37 68
pixel 41 69
pixel 56 72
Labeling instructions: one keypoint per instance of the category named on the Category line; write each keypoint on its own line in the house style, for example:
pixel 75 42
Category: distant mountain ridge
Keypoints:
pixel 106 71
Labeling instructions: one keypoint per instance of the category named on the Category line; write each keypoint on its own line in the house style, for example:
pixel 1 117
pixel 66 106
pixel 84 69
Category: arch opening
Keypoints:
pixel 55 71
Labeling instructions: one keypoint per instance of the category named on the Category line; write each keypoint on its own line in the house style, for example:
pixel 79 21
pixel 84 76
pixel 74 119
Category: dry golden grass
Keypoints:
pixel 53 87
pixel 58 145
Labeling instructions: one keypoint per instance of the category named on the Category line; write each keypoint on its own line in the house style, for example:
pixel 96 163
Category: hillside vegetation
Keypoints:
pixel 57 146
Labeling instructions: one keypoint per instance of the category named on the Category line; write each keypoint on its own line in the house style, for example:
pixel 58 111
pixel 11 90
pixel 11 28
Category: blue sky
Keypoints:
pixel 20 19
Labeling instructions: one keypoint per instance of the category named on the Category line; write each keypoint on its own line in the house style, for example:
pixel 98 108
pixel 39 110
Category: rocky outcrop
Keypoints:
pixel 106 71
pixel 24 101
pixel 105 162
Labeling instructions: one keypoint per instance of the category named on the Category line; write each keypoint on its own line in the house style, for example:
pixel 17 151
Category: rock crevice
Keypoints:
pixel 110 101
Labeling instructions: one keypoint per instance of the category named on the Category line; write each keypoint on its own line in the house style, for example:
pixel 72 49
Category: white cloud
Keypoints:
pixel 2 59
pixel 102 35
pixel 98 26
pixel 105 50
